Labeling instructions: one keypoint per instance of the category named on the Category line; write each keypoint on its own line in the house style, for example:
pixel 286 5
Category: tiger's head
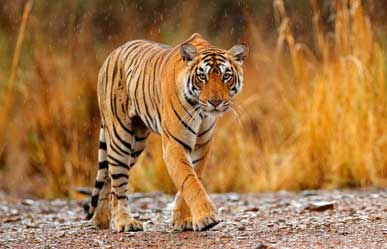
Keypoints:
pixel 213 76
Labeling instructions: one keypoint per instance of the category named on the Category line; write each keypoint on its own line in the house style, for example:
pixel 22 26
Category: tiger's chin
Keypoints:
pixel 215 112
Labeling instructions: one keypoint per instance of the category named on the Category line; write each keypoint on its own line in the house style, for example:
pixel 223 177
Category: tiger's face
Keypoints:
pixel 214 76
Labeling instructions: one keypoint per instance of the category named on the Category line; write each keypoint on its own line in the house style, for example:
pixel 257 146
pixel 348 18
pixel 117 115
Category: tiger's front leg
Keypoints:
pixel 182 218
pixel 189 186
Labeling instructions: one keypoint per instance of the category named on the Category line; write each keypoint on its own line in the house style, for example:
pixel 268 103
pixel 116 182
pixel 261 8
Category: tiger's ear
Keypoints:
pixel 239 52
pixel 188 52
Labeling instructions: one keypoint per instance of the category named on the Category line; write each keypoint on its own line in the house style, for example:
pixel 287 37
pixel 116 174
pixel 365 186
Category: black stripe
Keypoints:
pixel 89 216
pixel 205 143
pixel 113 103
pixel 139 78
pixel 221 60
pixel 130 71
pixel 123 107
pixel 190 101
pixel 99 184
pixel 208 60
pixel 124 127
pixel 204 132
pixel 181 104
pixel 120 185
pixel 117 176
pixel 121 197
pixel 138 139
pixel 155 67
pixel 198 160
pixel 186 146
pixel 186 163
pixel 133 47
pixel 115 147
pixel 136 153
pixel 103 165
pixel 144 81
pixel 126 144
pixel 112 95
pixel 107 74
pixel 182 121
pixel 117 162
pixel 102 145
pixel 158 117
pixel 94 200
pixel 118 150
pixel 165 131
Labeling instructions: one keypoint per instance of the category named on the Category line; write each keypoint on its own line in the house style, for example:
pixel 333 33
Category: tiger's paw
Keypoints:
pixel 124 223
pixel 181 217
pixel 205 222
pixel 182 225
pixel 102 221
pixel 102 216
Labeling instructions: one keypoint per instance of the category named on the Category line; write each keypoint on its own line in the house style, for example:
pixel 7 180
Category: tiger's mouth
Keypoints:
pixel 214 110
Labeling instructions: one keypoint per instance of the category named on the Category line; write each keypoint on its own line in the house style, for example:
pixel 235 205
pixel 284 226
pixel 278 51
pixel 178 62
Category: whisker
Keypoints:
pixel 235 114
pixel 189 113
pixel 240 109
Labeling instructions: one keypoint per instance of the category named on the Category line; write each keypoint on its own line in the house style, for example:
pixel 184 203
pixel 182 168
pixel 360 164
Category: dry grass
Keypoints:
pixel 308 117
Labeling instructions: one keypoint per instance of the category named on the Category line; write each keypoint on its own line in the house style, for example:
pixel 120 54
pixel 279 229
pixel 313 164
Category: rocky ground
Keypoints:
pixel 309 219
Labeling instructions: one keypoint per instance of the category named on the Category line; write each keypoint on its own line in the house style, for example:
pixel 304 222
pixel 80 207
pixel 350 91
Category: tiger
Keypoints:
pixel 177 92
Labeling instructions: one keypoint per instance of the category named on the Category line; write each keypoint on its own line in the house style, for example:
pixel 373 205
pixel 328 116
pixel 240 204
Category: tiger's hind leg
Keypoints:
pixel 123 151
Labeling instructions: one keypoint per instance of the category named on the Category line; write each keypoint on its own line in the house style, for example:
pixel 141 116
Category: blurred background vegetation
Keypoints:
pixel 313 113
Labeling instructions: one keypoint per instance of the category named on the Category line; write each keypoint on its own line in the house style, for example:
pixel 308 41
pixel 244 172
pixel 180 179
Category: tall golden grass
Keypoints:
pixel 309 116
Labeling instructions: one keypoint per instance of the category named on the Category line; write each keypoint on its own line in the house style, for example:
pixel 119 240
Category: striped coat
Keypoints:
pixel 177 92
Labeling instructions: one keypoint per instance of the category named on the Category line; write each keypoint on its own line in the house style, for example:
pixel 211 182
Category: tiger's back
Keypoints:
pixel 129 83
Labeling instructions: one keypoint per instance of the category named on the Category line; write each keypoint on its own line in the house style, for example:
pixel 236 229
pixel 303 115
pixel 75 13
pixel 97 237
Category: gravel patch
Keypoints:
pixel 310 219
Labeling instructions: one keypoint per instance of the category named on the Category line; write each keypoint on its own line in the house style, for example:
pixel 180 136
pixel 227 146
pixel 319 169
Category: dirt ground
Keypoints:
pixel 309 219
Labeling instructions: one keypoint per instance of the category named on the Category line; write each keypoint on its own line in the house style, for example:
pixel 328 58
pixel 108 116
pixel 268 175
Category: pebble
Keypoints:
pixel 261 246
pixel 320 205
pixel 28 202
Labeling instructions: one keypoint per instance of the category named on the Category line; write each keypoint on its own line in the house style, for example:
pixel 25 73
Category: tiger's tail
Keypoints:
pixel 101 176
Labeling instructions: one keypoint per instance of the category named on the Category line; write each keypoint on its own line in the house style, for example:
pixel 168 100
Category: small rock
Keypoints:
pixel 233 197
pixel 251 209
pixel 320 206
pixel 31 225
pixel 28 202
pixel 261 246
pixel 12 219
pixel 308 193
pixel 14 212
pixel 242 237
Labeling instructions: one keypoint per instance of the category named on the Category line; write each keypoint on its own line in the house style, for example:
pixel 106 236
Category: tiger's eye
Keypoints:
pixel 226 76
pixel 202 77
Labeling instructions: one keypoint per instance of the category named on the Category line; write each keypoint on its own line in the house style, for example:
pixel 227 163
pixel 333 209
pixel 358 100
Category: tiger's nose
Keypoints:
pixel 215 102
